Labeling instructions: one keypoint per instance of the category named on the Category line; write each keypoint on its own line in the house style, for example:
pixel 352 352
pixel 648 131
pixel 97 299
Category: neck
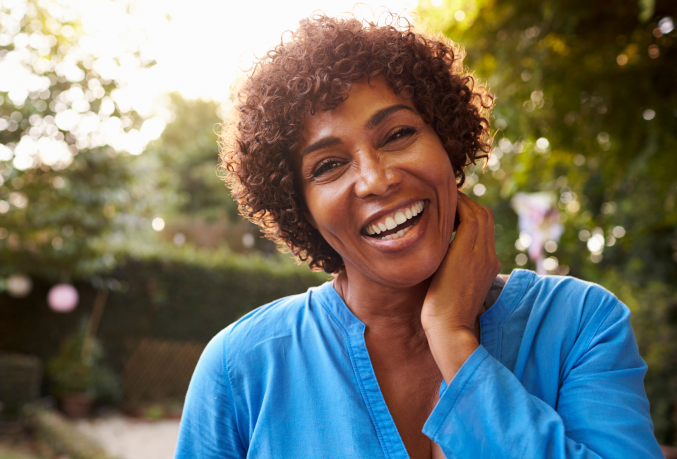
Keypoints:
pixel 392 315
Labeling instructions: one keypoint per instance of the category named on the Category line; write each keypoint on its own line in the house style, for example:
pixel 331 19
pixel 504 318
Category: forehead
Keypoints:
pixel 364 99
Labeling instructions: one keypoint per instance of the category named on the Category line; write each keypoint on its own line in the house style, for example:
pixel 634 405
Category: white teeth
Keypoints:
pixel 393 221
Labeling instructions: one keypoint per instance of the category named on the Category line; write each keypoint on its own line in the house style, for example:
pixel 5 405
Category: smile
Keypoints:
pixel 396 224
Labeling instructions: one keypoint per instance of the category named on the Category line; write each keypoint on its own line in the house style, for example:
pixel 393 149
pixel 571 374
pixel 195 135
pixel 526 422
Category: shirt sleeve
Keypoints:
pixel 208 425
pixel 602 409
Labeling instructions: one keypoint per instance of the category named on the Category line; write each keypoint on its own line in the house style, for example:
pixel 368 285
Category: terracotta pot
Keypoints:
pixel 76 405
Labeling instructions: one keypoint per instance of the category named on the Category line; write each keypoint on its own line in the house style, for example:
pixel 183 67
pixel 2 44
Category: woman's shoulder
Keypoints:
pixel 544 325
pixel 272 321
pixel 552 294
pixel 562 311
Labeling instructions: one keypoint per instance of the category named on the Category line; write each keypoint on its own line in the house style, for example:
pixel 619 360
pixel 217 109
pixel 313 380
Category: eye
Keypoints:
pixel 325 166
pixel 401 133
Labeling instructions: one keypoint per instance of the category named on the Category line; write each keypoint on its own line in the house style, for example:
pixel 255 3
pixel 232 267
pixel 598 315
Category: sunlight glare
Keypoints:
pixel 201 46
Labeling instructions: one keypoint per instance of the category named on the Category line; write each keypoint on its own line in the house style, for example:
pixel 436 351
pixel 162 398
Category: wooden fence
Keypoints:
pixel 159 370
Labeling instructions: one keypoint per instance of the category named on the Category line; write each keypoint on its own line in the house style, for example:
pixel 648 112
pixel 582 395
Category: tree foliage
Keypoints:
pixel 586 109
pixel 68 136
pixel 205 214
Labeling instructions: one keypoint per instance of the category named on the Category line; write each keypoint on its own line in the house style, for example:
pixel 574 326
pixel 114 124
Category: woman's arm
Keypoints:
pixel 602 410
pixel 208 426
pixel 459 288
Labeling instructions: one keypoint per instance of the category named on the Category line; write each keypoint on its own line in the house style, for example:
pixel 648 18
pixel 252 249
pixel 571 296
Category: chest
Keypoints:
pixel 411 392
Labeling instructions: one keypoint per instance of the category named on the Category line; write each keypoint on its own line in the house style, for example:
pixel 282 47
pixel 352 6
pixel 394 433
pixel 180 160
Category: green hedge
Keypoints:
pixel 161 293
pixel 20 377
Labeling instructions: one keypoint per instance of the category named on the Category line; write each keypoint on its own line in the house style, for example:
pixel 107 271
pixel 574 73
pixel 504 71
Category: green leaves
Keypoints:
pixel 596 80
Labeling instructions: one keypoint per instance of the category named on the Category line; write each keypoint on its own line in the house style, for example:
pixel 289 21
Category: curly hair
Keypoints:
pixel 313 70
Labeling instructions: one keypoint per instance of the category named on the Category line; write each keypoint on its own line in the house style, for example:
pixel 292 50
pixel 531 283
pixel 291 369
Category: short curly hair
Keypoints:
pixel 313 70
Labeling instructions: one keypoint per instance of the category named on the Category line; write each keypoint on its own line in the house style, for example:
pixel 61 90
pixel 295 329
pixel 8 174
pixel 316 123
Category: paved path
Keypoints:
pixel 129 438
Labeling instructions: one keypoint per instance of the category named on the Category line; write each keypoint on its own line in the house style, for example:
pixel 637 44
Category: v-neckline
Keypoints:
pixel 388 435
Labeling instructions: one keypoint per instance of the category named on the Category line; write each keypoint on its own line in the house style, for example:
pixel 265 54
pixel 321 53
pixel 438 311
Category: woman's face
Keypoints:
pixel 379 186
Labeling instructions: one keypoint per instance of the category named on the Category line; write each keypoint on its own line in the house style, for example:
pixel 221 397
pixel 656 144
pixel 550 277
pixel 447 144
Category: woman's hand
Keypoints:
pixel 459 288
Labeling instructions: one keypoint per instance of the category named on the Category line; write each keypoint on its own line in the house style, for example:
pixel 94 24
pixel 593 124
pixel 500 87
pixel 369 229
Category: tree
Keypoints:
pixel 206 214
pixel 69 177
pixel 586 110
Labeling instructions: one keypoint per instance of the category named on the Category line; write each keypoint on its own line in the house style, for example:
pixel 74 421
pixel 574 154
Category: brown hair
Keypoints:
pixel 314 70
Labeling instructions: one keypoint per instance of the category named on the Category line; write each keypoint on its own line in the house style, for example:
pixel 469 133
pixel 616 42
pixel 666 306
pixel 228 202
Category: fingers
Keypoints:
pixel 468 225
pixel 477 224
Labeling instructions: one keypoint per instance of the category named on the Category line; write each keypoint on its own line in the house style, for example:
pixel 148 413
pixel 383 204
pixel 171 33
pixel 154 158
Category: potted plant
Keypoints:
pixel 78 378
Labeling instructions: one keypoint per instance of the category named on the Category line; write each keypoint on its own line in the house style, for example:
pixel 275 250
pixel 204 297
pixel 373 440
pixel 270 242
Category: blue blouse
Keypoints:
pixel 557 375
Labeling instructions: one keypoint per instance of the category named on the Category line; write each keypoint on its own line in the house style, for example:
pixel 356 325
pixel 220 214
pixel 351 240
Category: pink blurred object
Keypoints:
pixel 62 298
pixel 538 217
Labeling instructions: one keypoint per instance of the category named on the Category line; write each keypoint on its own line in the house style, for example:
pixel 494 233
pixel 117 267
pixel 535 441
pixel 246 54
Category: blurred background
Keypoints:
pixel 122 252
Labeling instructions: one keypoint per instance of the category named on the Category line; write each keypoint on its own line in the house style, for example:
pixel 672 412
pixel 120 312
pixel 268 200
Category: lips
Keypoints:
pixel 395 224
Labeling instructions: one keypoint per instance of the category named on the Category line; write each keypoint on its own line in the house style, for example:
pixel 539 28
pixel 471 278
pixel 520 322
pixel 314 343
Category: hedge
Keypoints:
pixel 167 294
pixel 20 377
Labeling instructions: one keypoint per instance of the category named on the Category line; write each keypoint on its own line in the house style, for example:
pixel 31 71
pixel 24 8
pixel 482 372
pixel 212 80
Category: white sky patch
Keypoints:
pixel 201 49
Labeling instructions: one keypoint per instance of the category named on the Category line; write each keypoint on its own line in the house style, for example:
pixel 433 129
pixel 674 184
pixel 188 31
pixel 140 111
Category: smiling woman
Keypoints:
pixel 314 72
pixel 349 149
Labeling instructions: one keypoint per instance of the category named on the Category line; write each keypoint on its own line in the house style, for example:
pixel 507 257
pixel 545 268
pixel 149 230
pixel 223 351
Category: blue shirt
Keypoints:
pixel 557 375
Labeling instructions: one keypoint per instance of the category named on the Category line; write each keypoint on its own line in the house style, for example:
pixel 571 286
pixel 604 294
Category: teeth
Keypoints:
pixel 393 221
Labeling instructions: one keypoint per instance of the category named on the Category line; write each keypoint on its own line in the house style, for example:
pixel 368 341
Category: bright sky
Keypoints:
pixel 199 47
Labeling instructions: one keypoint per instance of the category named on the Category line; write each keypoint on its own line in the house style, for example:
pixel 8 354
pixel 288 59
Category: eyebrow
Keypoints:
pixel 374 121
pixel 384 113
pixel 322 143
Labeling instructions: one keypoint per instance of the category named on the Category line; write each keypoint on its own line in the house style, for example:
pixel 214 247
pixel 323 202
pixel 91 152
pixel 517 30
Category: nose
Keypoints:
pixel 376 175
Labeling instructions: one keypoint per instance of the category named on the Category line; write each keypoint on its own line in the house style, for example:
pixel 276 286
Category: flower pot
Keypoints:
pixel 76 405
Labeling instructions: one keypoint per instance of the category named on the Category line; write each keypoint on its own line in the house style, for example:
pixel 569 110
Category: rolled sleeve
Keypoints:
pixel 602 410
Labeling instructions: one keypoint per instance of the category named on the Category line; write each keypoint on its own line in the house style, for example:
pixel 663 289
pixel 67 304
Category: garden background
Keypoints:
pixel 123 201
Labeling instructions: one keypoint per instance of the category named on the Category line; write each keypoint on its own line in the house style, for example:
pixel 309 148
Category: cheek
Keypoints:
pixel 325 212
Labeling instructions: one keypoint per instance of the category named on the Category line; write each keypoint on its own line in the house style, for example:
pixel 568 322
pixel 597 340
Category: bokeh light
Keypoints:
pixel 158 224
pixel 19 285
pixel 62 298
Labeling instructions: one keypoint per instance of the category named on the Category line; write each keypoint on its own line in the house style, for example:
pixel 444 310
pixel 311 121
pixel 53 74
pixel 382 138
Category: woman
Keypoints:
pixel 349 148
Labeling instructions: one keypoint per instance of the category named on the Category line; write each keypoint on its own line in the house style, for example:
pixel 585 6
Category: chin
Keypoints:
pixel 407 273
